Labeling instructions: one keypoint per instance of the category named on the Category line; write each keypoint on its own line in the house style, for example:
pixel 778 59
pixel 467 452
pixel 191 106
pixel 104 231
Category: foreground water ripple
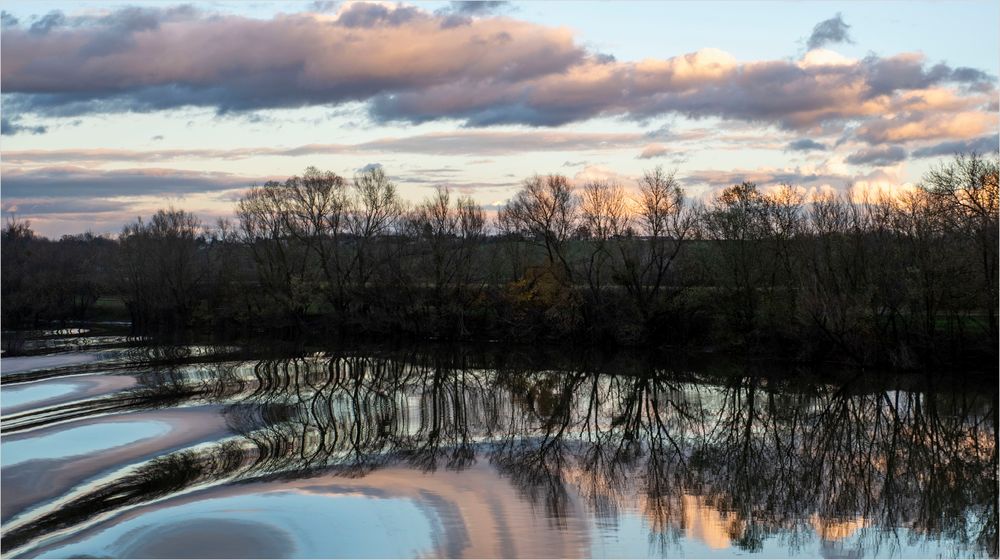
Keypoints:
pixel 132 449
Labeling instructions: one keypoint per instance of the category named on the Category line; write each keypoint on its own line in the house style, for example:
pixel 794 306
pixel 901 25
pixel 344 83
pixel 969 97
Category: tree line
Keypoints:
pixel 902 280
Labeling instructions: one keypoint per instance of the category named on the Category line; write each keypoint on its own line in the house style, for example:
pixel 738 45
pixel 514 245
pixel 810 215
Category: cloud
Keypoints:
pixel 964 74
pixel 927 125
pixel 708 83
pixel 409 65
pixel 478 7
pixel 794 176
pixel 880 156
pixel 805 145
pixel 504 143
pixel 369 167
pixel 462 12
pixel 982 145
pixel 829 31
pixel 323 5
pixel 909 71
pixel 49 206
pixel 602 173
pixel 83 183
pixel 362 14
pixel 7 19
pixel 440 143
pixel 10 128
pixel 97 65
pixel 48 22
pixel 653 151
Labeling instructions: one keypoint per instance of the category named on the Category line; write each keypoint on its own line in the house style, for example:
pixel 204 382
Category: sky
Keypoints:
pixel 113 110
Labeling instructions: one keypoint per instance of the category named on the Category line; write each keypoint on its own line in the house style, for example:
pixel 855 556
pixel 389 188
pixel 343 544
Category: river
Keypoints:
pixel 121 447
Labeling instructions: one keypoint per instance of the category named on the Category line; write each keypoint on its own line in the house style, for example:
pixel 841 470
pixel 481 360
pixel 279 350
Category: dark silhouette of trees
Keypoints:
pixel 665 221
pixel 545 212
pixel 375 215
pixel 863 277
pixel 966 194
pixel 604 217
pixel 51 281
pixel 162 264
pixel 448 237
pixel 739 222
pixel 280 225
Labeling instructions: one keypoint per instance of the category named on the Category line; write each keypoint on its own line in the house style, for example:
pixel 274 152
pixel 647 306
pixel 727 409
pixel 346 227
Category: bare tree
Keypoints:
pixel 967 188
pixel 451 234
pixel 545 211
pixel 665 221
pixel 376 211
pixel 274 231
pixel 161 266
pixel 739 221
pixel 319 206
pixel 604 214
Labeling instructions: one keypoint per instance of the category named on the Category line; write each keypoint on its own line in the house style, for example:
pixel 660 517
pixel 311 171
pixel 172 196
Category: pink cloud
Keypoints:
pixel 412 65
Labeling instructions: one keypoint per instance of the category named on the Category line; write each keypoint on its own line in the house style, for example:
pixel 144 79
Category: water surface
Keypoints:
pixel 145 450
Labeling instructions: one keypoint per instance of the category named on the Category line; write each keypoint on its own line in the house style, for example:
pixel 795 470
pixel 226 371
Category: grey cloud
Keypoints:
pixel 436 170
pixel 454 20
pixel 482 72
pixel 452 143
pixel 114 32
pixel 80 182
pixel 808 96
pixel 369 167
pixel 67 205
pixel 7 19
pixel 411 108
pixel 660 133
pixel 502 143
pixel 473 7
pixel 372 15
pixel 717 178
pixel 887 75
pixel 289 61
pixel 323 5
pixel 133 18
pixel 966 74
pixel 984 144
pixel 48 22
pixel 833 30
pixel 885 155
pixel 11 127
pixel 805 145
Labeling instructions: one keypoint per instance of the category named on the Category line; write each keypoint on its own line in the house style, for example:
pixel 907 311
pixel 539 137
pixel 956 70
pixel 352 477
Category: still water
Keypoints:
pixel 116 447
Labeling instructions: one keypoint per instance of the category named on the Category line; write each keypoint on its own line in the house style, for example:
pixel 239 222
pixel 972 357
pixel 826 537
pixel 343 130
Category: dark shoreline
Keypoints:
pixel 629 360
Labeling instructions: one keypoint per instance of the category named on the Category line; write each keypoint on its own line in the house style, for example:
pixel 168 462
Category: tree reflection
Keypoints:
pixel 761 456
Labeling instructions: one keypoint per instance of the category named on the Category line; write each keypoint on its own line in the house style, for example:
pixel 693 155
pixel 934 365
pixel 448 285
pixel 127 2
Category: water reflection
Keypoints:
pixel 696 461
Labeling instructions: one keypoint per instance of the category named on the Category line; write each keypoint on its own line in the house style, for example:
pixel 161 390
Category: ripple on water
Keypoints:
pixel 356 454
pixel 79 441
pixel 20 396
pixel 272 524
pixel 23 364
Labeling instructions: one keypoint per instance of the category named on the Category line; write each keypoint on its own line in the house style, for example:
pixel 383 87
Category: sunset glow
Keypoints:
pixel 113 110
